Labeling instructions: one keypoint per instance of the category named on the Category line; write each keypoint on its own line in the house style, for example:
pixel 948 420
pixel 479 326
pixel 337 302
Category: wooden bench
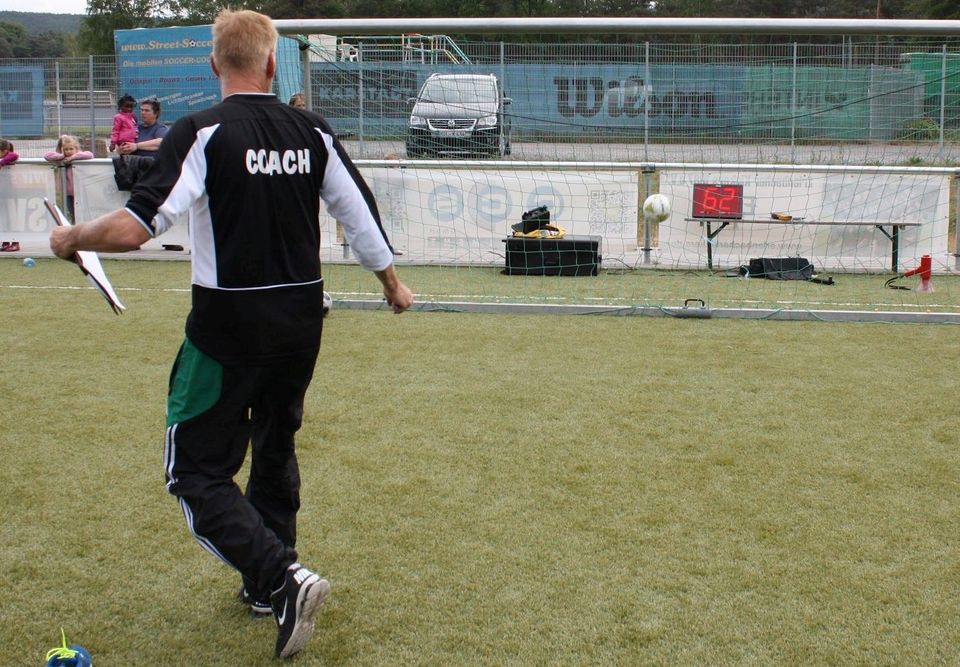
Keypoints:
pixel 82 98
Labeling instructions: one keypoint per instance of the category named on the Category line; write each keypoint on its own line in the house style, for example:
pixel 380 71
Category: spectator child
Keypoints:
pixel 124 123
pixel 7 154
pixel 68 151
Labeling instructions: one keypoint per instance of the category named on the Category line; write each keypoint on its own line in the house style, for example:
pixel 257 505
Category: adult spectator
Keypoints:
pixel 249 173
pixel 150 131
pixel 298 100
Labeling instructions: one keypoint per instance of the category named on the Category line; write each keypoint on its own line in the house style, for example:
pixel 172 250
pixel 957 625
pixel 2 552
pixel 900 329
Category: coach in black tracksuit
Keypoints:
pixel 250 173
pixel 251 169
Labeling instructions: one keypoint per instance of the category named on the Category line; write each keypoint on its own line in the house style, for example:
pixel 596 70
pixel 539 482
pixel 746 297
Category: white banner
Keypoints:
pixel 462 216
pixel 23 188
pixel 455 216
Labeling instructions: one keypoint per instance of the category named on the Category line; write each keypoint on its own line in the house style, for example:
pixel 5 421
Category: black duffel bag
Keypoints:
pixel 780 268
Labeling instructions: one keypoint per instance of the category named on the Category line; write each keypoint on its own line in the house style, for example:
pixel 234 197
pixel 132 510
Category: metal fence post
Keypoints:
pixel 647 88
pixel 943 93
pixel 793 106
pixel 93 107
pixel 58 97
pixel 648 173
pixel 360 70
pixel 503 66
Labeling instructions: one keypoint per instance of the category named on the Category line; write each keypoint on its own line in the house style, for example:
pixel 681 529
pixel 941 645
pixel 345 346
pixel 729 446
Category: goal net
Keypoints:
pixel 833 148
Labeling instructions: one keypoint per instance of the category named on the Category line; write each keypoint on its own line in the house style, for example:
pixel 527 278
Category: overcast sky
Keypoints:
pixel 45 6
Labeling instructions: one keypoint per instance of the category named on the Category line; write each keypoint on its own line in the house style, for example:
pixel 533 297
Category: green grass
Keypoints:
pixel 498 489
pixel 659 287
pixel 625 288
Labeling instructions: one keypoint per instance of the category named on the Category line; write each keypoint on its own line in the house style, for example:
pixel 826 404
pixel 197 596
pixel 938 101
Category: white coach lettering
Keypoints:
pixel 274 165
pixel 289 162
pixel 272 162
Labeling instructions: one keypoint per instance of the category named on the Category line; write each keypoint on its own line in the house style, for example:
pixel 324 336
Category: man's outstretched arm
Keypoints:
pixel 117 231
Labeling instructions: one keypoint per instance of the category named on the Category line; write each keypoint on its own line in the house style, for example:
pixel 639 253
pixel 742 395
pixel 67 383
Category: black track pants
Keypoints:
pixel 213 413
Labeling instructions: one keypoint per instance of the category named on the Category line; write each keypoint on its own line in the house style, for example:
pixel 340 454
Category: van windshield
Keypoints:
pixel 458 91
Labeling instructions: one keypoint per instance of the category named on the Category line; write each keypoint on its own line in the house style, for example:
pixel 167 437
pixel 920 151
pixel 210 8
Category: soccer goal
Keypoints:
pixel 512 173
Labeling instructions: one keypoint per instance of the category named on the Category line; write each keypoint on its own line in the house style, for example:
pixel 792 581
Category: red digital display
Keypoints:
pixel 717 201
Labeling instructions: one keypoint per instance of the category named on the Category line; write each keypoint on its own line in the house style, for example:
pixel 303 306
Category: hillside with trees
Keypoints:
pixel 37 23
pixel 36 35
pixel 16 42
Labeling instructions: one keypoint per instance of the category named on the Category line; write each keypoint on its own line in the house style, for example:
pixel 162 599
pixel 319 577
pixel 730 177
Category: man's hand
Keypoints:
pixel 127 148
pixel 399 297
pixel 61 242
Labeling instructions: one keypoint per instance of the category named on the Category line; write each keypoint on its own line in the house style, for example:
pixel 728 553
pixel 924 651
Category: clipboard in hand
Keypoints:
pixel 89 263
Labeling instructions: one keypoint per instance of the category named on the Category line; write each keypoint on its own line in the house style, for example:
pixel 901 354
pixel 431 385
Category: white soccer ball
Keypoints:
pixel 656 208
pixel 327 303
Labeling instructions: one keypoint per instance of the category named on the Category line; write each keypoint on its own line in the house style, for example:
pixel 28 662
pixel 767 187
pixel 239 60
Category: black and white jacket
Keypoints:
pixel 250 173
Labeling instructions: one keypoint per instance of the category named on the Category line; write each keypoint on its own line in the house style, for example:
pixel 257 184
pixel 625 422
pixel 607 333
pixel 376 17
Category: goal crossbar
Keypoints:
pixel 618 25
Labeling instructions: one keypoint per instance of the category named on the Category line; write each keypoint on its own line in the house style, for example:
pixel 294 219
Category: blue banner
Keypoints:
pixel 21 101
pixel 548 99
pixel 173 65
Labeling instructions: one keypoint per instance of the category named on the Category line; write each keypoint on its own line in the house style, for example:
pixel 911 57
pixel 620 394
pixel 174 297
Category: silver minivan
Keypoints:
pixel 459 114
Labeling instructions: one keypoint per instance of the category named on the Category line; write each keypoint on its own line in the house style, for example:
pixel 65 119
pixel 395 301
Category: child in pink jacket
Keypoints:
pixel 68 151
pixel 124 123
pixel 7 154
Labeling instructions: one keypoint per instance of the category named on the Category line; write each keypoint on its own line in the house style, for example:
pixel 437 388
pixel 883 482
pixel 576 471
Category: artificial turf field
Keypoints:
pixel 498 489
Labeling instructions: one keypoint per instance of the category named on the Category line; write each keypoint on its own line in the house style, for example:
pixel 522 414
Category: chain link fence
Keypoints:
pixel 880 100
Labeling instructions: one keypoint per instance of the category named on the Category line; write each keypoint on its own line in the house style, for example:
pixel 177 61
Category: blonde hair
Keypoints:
pixel 67 139
pixel 242 40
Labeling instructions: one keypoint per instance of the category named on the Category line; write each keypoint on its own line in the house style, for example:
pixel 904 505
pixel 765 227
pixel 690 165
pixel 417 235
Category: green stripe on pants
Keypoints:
pixel 195 384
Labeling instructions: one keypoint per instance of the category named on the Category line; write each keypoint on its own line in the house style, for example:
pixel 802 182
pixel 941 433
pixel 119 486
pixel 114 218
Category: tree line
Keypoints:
pixel 16 42
pixel 95 35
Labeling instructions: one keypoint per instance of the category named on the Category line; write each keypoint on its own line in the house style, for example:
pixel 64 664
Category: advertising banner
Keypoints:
pixel 21 101
pixel 173 65
pixel 22 190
